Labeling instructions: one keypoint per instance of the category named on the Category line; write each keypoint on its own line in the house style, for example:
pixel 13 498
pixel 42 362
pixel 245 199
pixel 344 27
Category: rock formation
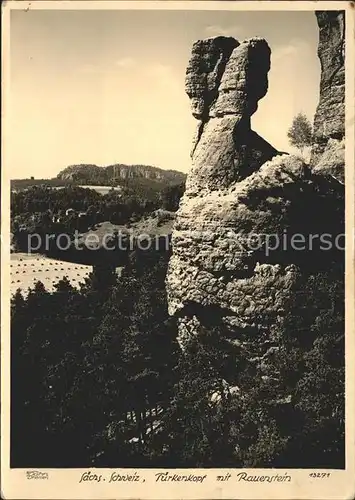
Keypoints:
pixel 92 174
pixel 329 120
pixel 225 149
pixel 242 198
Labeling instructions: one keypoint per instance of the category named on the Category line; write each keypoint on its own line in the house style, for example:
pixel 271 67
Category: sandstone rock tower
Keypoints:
pixel 225 81
pixel 329 120
pixel 242 194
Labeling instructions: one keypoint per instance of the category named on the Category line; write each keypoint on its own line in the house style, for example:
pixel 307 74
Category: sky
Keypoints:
pixel 107 87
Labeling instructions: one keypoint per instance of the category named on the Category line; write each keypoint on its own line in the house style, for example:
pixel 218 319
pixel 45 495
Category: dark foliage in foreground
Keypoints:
pixel 98 380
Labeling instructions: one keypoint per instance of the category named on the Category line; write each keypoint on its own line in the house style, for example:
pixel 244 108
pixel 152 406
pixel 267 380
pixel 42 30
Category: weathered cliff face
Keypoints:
pixel 233 265
pixel 224 81
pixel 329 120
pixel 94 173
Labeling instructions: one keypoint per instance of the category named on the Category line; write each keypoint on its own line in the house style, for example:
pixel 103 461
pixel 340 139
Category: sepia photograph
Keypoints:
pixel 177 248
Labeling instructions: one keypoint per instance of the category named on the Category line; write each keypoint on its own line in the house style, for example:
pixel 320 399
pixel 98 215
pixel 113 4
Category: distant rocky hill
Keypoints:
pixel 95 174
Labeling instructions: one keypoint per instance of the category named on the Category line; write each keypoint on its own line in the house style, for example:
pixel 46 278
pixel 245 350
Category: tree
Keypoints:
pixel 300 132
pixel 171 195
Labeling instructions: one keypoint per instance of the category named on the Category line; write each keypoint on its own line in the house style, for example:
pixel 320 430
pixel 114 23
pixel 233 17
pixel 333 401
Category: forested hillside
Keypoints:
pixel 97 370
pixel 42 210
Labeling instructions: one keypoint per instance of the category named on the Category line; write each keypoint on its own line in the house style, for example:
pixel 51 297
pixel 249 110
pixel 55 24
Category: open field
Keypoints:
pixel 103 189
pixel 100 189
pixel 27 269
pixel 156 225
